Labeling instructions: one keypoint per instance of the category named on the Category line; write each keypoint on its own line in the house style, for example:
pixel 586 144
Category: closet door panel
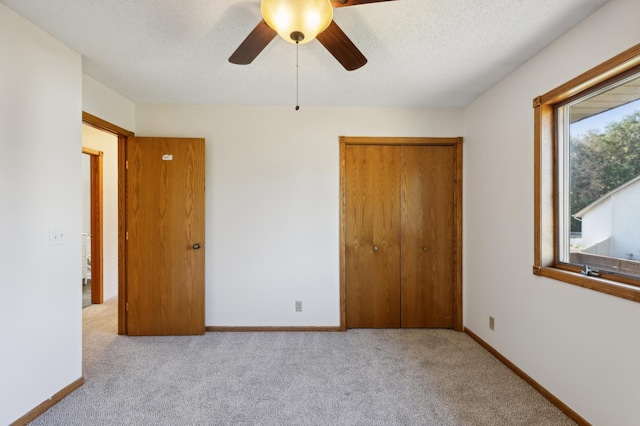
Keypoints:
pixel 372 236
pixel 427 236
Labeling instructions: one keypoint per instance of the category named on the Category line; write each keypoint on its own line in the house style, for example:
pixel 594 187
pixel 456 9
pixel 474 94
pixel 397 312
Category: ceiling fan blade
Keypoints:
pixel 255 43
pixel 341 47
pixel 345 3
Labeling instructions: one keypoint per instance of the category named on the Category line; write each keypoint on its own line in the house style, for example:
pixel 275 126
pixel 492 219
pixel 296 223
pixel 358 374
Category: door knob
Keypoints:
pixel 196 246
pixel 424 249
pixel 375 248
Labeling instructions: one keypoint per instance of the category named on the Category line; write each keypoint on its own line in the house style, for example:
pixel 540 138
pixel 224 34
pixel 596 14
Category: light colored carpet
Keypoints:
pixel 361 377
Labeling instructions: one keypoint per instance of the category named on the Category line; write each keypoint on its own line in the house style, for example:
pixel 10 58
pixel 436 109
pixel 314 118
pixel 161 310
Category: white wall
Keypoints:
pixel 40 187
pixel 86 193
pixel 272 178
pixel 86 213
pixel 108 144
pixel 104 103
pixel 583 346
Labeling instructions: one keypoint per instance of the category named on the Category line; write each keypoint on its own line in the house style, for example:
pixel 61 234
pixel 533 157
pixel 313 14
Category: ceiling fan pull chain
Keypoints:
pixel 297 79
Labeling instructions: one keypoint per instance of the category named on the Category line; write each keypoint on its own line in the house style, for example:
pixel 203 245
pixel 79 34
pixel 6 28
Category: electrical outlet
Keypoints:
pixel 492 323
pixel 298 305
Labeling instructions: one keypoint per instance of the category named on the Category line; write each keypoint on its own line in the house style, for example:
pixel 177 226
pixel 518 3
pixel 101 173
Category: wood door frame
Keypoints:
pixel 96 206
pixel 457 197
pixel 123 136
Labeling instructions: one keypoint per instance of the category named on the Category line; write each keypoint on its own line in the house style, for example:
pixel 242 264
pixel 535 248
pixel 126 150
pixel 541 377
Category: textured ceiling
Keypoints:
pixel 422 53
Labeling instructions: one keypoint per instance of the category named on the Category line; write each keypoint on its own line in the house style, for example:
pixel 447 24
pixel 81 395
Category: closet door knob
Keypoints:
pixel 375 248
pixel 196 246
pixel 424 249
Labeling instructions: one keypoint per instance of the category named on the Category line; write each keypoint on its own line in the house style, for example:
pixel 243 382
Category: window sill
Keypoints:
pixel 625 291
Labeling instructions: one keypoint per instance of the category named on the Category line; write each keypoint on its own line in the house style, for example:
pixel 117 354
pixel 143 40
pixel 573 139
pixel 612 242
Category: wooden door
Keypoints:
pixel 165 236
pixel 372 236
pixel 427 224
pixel 411 188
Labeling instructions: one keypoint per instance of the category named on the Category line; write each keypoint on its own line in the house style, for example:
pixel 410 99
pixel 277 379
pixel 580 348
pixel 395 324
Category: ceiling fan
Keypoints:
pixel 300 21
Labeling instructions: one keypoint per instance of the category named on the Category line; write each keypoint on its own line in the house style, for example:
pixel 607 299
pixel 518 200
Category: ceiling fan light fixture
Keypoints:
pixel 297 21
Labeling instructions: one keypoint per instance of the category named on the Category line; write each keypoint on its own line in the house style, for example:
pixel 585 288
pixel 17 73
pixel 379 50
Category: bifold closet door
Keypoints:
pixel 372 236
pixel 427 230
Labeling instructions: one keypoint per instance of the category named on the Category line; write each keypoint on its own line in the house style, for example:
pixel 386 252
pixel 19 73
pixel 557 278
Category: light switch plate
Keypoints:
pixel 57 236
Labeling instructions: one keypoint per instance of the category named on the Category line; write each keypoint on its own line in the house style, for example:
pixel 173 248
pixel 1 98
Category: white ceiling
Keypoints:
pixel 422 53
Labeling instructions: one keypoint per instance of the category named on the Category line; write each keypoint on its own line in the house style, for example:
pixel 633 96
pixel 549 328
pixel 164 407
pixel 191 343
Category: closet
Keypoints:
pixel 401 239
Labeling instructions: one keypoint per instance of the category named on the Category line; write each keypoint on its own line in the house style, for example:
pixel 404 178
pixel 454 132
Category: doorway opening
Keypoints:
pixel 92 227
pixel 114 266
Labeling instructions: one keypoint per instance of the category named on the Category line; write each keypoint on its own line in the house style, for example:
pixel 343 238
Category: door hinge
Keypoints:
pixel 126 164
pixel 126 307
pixel 126 235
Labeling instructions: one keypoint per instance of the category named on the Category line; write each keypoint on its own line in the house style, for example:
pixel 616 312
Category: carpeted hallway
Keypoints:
pixel 361 377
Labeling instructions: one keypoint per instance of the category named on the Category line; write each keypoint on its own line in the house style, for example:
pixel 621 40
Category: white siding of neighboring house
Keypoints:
pixel 611 226
pixel 597 229
pixel 626 222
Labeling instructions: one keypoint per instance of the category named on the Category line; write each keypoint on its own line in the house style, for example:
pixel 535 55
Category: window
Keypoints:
pixel 587 179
